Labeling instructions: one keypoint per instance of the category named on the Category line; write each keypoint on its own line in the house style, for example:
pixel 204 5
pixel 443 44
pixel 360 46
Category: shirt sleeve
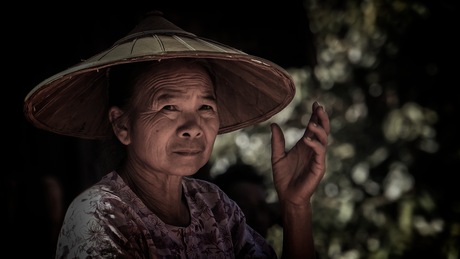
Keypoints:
pixel 98 225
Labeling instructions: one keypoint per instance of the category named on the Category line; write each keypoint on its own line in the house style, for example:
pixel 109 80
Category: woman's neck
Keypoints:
pixel 161 193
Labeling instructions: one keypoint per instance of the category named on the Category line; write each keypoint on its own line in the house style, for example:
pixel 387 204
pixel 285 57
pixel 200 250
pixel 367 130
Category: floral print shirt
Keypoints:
pixel 109 221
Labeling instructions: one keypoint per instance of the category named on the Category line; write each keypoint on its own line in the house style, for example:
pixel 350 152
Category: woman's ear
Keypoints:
pixel 119 125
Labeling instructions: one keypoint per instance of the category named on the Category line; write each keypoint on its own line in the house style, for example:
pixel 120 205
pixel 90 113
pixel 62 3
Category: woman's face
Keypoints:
pixel 176 120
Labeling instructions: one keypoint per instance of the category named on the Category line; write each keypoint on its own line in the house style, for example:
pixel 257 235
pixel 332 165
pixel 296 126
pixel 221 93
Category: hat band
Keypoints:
pixel 152 32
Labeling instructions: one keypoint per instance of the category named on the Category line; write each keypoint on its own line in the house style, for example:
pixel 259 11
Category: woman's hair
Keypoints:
pixel 121 78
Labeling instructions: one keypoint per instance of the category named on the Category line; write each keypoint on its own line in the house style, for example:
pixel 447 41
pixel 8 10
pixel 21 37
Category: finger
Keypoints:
pixel 278 142
pixel 320 153
pixel 313 119
pixel 314 115
pixel 318 133
pixel 315 105
pixel 323 119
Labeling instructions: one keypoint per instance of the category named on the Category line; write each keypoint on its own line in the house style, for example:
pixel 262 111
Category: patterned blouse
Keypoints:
pixel 109 221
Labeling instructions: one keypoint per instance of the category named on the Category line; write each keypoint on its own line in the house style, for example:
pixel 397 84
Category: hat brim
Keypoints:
pixel 74 102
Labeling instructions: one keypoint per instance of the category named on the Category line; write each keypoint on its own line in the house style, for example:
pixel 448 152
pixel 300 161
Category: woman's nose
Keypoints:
pixel 191 126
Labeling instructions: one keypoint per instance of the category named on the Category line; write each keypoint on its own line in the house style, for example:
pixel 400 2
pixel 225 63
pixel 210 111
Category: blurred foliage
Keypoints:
pixel 376 200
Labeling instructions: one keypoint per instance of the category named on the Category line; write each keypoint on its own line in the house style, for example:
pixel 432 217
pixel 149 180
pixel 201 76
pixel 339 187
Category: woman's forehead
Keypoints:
pixel 176 79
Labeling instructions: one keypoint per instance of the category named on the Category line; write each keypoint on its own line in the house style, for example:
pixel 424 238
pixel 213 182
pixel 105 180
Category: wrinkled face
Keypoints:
pixel 175 121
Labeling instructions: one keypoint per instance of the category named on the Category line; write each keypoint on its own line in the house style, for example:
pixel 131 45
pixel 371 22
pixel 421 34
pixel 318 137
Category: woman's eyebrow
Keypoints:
pixel 169 94
pixel 209 97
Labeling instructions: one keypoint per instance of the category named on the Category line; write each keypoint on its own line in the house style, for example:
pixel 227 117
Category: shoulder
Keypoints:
pixel 205 191
pixel 199 185
pixel 226 213
pixel 205 188
pixel 109 194
pixel 105 218
pixel 203 195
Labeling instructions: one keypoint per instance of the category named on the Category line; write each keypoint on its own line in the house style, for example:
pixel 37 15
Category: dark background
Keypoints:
pixel 43 39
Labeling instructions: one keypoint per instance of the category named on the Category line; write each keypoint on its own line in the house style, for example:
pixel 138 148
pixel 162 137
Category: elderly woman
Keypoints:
pixel 164 95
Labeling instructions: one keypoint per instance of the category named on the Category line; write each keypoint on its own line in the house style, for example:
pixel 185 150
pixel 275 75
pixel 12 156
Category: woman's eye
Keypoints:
pixel 168 107
pixel 206 107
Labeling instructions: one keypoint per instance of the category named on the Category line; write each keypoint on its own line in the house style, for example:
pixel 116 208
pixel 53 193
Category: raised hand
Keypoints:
pixel 297 172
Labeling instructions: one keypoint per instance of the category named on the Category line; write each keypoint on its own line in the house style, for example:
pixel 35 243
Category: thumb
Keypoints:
pixel 278 142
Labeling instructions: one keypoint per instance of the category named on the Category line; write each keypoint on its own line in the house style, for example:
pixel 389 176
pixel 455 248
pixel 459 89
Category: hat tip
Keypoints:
pixel 154 13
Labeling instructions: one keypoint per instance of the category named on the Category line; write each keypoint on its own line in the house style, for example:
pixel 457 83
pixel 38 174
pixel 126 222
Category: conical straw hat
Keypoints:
pixel 74 102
